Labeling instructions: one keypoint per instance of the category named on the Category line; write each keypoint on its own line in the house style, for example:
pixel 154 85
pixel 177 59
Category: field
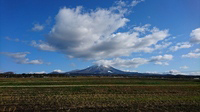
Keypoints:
pixel 99 94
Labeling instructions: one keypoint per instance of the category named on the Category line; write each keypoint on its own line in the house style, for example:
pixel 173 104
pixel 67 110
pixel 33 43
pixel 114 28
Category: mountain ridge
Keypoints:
pixel 99 69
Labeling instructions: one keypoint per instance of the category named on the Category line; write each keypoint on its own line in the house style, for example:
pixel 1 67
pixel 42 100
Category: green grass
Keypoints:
pixel 125 94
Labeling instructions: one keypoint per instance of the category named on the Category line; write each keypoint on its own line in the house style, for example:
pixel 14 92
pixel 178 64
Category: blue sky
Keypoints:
pixel 139 35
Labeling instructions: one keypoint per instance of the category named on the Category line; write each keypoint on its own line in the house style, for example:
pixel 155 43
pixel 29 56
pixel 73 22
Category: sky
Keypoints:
pixel 149 36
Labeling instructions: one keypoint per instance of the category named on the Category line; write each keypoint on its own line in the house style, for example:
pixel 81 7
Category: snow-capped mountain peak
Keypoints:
pixel 100 69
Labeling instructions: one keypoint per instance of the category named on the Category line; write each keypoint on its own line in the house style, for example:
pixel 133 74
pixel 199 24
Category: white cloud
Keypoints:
pixel 162 45
pixel 135 2
pixel 20 58
pixel 11 39
pixel 48 21
pixel 194 73
pixel 170 38
pixel 118 62
pixel 42 46
pixel 16 40
pixel 191 55
pixel 76 32
pixel 42 72
pixel 16 55
pixel 195 36
pixel 175 72
pixel 161 63
pixel 152 72
pixel 37 27
pixel 161 58
pixel 142 29
pixel 34 62
pixel 129 70
pixel 48 63
pixel 184 67
pixel 58 70
pixel 135 62
pixel 180 45
pixel 73 64
pixel 1 71
pixel 86 35
pixel 197 50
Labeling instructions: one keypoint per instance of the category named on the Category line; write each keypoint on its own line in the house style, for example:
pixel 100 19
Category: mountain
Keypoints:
pixel 103 70
pixel 54 72
pixel 98 69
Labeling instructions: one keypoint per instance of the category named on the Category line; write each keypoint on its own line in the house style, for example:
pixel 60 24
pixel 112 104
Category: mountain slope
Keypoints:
pixel 99 69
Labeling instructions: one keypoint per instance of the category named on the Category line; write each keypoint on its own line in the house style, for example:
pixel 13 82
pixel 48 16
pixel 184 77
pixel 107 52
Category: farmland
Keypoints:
pixel 99 94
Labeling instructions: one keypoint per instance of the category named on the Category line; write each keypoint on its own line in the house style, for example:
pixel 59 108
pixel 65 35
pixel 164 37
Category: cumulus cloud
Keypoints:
pixel 130 63
pixel 42 72
pixel 180 45
pixel 135 62
pixel 72 64
pixel 142 29
pixel 20 58
pixel 16 55
pixel 86 35
pixel 135 2
pixel 197 50
pixel 16 40
pixel 11 39
pixel 152 72
pixel 42 46
pixel 175 72
pixel 194 73
pixel 184 67
pixel 193 54
pixel 58 70
pixel 38 27
pixel 161 58
pixel 195 36
pixel 162 45
pixel 34 62
pixel 76 33
pixel 48 21
pixel 1 71
pixel 161 63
